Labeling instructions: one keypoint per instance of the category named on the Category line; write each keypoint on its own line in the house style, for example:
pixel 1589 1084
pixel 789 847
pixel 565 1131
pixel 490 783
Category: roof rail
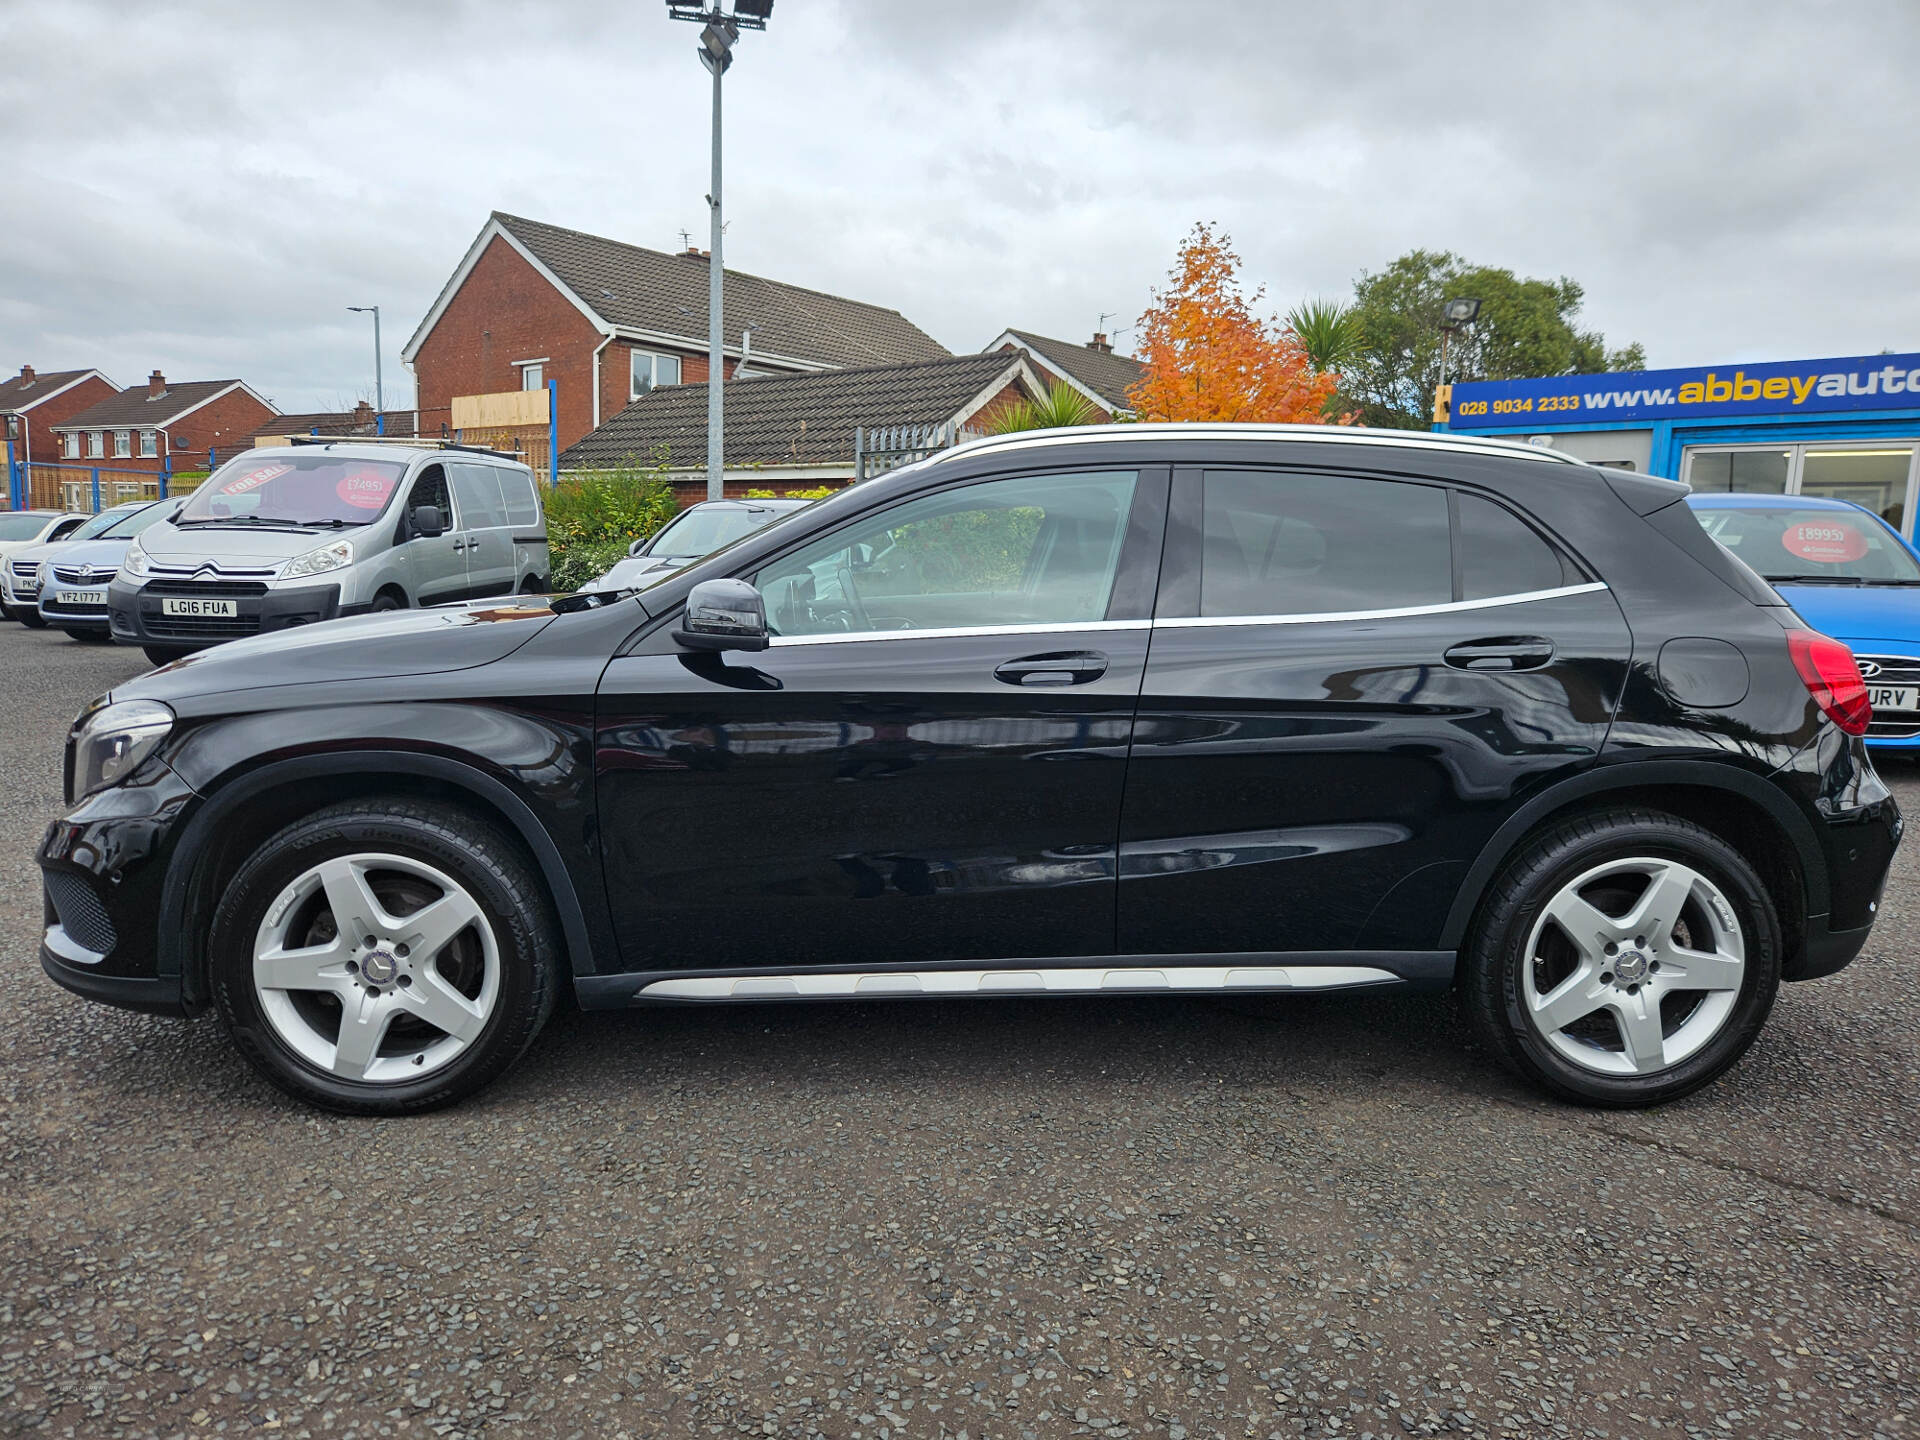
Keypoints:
pixel 405 442
pixel 1201 430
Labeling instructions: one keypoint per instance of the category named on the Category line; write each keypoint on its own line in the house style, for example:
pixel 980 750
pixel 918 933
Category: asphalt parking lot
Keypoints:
pixel 1117 1217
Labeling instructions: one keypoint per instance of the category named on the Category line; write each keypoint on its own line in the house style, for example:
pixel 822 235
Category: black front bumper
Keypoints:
pixel 140 618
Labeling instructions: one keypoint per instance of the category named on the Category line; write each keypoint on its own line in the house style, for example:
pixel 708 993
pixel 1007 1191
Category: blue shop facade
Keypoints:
pixel 1846 427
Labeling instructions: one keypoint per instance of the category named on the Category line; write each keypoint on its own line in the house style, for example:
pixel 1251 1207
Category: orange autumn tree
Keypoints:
pixel 1209 357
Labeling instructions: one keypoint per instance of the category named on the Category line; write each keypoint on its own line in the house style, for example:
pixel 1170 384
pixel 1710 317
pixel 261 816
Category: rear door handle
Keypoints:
pixel 1501 652
pixel 1062 667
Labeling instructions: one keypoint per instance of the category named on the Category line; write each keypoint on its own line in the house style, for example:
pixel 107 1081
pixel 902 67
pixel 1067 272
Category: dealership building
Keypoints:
pixel 1848 428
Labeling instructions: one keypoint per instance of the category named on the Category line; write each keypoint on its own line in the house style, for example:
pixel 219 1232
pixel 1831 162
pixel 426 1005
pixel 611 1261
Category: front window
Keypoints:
pixel 1039 550
pixel 1811 547
pixel 70 446
pixel 93 445
pixel 289 487
pixel 122 444
pixel 149 444
pixel 532 377
pixel 650 371
pixel 703 530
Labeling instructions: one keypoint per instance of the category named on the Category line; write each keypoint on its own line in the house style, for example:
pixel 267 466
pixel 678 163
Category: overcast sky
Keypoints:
pixel 205 188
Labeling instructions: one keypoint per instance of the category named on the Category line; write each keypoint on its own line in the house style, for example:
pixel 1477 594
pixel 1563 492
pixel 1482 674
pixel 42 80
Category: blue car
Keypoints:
pixel 74 579
pixel 1849 575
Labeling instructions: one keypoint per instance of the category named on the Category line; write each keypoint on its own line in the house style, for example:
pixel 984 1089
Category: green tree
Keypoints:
pixel 1061 406
pixel 1328 331
pixel 1526 328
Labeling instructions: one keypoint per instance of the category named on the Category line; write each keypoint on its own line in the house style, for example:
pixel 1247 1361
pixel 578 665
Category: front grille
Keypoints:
pixel 81 914
pixel 210 589
pixel 1893 729
pixel 1894 669
pixel 25 569
pixel 56 605
pixel 200 627
pixel 82 575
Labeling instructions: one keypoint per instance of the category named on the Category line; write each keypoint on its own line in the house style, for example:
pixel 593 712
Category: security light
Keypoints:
pixel 1461 312
pixel 718 38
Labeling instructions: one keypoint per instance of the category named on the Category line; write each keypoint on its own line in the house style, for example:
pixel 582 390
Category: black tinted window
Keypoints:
pixel 1311 544
pixel 1500 554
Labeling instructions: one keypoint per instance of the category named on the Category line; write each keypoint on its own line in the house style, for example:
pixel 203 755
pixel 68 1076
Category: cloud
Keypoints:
pixel 206 187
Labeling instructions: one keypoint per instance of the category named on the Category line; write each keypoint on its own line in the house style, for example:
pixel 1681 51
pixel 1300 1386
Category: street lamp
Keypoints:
pixel 718 36
pixel 379 392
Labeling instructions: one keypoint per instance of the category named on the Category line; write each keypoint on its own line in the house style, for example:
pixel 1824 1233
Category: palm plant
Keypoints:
pixel 1061 406
pixel 1328 331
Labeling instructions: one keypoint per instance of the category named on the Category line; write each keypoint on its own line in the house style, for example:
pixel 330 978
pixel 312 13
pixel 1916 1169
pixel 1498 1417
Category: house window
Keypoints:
pixel 532 377
pixel 71 443
pixel 651 370
pixel 149 444
pixel 94 445
pixel 122 444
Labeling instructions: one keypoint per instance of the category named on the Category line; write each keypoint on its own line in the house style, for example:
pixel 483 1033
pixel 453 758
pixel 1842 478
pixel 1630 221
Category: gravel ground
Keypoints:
pixel 1117 1217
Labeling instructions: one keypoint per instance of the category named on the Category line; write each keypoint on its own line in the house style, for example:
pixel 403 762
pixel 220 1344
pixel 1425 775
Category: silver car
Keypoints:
pixel 298 534
pixel 697 531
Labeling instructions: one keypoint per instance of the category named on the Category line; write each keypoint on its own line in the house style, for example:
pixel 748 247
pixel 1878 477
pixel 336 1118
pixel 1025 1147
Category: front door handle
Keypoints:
pixel 1062 667
pixel 1501 652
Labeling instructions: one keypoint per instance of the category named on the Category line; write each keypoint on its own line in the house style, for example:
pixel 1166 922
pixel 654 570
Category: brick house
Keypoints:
pixel 531 302
pixel 362 420
pixel 31 404
pixel 1092 369
pixel 158 426
pixel 797 431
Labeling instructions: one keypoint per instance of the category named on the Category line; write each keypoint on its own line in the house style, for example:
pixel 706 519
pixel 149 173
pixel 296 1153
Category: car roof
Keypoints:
pixel 395 450
pixel 1757 500
pixel 764 502
pixel 1191 432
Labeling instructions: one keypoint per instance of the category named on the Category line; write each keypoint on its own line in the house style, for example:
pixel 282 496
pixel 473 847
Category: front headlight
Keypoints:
pixel 113 740
pixel 336 556
pixel 134 564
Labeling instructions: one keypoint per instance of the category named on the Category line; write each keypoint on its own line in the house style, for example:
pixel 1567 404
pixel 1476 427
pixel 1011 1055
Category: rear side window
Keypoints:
pixel 1290 544
pixel 516 490
pixel 1500 554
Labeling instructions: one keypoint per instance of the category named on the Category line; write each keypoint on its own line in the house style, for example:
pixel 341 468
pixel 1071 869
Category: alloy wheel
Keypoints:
pixel 376 968
pixel 1633 966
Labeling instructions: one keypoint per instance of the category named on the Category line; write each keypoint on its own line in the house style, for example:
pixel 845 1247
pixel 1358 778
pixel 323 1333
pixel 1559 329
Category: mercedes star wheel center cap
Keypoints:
pixel 1630 967
pixel 379 967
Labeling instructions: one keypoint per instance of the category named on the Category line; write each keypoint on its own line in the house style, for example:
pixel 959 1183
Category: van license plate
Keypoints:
pixel 84 597
pixel 1893 697
pixel 172 606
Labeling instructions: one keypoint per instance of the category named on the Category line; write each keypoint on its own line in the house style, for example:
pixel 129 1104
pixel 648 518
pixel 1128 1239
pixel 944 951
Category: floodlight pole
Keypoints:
pixel 379 391
pixel 716 331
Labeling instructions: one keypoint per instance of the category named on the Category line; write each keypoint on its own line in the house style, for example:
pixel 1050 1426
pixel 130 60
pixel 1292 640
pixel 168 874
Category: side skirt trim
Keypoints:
pixel 1278 972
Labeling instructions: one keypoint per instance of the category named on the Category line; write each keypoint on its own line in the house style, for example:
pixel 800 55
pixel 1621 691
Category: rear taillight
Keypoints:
pixel 1832 678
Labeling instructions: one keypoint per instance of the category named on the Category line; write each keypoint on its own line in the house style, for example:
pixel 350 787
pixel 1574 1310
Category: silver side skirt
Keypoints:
pixel 1078 981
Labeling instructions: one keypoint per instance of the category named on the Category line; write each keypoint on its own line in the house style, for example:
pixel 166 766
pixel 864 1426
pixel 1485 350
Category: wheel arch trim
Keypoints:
pixel 228 798
pixel 1639 775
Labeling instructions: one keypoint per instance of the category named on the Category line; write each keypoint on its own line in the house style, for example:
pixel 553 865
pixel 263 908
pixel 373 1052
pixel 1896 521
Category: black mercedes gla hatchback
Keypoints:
pixel 1169 709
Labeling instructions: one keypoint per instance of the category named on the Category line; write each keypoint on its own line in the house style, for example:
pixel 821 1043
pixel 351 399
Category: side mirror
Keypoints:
pixel 724 615
pixel 637 546
pixel 427 521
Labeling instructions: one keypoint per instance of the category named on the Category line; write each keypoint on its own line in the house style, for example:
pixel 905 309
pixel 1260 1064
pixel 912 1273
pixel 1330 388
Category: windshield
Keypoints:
pixel 107 520
pixel 701 532
pixel 293 488
pixel 127 525
pixel 1811 546
pixel 21 527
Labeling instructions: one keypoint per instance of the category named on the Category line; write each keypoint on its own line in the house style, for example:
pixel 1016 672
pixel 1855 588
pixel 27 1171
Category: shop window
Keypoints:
pixel 1748 472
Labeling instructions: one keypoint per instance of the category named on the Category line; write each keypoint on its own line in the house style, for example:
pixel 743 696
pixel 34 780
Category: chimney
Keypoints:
pixel 156 385
pixel 1099 342
pixel 26 374
pixel 362 413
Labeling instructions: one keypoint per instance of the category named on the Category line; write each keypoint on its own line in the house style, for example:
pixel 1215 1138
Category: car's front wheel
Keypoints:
pixel 1624 959
pixel 32 619
pixel 384 956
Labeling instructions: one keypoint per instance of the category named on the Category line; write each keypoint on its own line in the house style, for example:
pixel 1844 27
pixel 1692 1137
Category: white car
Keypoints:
pixel 21 530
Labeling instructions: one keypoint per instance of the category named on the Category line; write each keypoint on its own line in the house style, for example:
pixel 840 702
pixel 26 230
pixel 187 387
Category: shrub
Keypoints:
pixel 817 492
pixel 595 515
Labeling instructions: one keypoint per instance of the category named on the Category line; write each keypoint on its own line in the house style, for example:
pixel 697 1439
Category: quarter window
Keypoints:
pixel 1028 551
pixel 650 371
pixel 1292 544
pixel 1500 554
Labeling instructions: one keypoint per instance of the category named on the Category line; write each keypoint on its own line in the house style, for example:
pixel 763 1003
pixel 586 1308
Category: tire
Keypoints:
pixel 158 655
pixel 32 619
pixel 91 637
pixel 386 600
pixel 495 954
pixel 1539 953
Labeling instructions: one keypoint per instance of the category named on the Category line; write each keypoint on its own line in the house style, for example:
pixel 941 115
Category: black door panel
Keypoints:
pixel 864 801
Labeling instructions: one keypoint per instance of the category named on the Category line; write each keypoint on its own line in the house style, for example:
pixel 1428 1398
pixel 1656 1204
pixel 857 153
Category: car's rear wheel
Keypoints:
pixel 1624 959
pixel 384 957
pixel 163 654
pixel 90 637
